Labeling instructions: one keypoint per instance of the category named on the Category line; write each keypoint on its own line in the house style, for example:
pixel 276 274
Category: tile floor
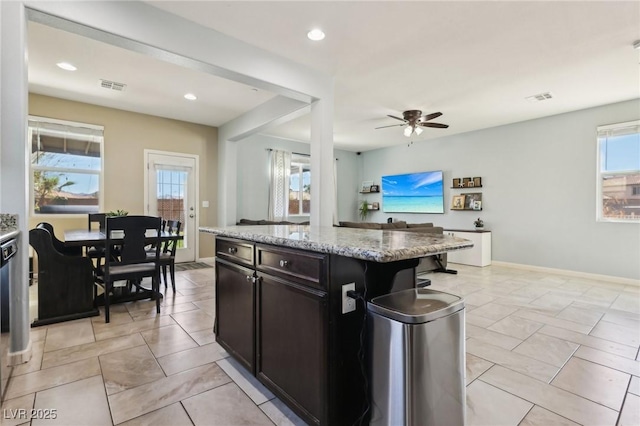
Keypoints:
pixel 542 349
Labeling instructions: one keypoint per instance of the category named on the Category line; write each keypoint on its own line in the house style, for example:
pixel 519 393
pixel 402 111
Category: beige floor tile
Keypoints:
pixel 477 320
pixel 630 414
pixel 52 377
pixel 16 411
pixel 280 414
pixel 553 300
pixel 224 405
pixel 173 415
pixel 593 381
pixel 478 299
pixel 82 402
pixel 89 350
pixel 634 387
pixel 628 303
pixel 565 404
pixel 492 337
pixel 34 364
pixel 548 349
pixel 556 322
pixel 167 340
pixel 617 333
pixel 622 320
pixel 150 312
pixel 523 364
pixel 69 334
pixel 475 367
pixel 143 399
pixel 249 384
pixel 592 342
pixel 495 311
pixel 206 305
pixel 108 331
pixel 190 358
pixel 619 363
pixel 488 405
pixel 115 317
pixel 194 321
pixel 201 295
pixel 538 416
pixel 129 368
pixel 582 316
pixel 203 337
pixel 519 328
pixel 38 334
pixel 530 291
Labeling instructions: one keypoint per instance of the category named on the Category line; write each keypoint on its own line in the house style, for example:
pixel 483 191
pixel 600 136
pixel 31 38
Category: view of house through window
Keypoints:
pixel 300 185
pixel 619 172
pixel 66 166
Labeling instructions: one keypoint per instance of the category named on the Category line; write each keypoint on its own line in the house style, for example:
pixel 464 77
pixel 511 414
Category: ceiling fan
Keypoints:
pixel 413 120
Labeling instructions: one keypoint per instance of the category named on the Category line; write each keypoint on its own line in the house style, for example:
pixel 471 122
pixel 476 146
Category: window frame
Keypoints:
pixel 600 174
pixel 33 168
pixel 296 161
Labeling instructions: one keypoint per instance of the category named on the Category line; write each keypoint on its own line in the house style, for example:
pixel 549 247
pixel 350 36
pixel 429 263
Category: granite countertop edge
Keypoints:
pixel 356 243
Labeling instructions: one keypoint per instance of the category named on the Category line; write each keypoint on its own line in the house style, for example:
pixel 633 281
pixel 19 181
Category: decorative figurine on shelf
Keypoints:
pixel 478 223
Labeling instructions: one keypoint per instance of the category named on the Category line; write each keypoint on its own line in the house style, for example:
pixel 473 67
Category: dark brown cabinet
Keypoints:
pixel 292 344
pixel 236 312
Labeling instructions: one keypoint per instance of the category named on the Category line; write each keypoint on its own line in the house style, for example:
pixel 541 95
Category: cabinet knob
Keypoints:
pixel 233 250
pixel 284 263
pixel 250 278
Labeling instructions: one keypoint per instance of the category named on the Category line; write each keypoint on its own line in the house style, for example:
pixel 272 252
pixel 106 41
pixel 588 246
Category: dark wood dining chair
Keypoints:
pixel 131 234
pixel 168 255
pixel 97 253
pixel 57 244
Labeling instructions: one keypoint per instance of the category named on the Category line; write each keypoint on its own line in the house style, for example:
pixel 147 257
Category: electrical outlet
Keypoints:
pixel 348 304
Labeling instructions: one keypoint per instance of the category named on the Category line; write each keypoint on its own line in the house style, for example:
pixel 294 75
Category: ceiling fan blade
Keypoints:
pixel 436 125
pixel 397 118
pixel 393 125
pixel 431 116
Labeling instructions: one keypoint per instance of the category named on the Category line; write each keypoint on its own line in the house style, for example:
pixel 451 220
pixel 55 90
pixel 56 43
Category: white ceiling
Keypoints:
pixel 476 62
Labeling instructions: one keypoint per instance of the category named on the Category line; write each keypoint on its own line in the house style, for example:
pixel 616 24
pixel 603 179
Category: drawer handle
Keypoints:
pixel 233 250
pixel 284 263
pixel 250 278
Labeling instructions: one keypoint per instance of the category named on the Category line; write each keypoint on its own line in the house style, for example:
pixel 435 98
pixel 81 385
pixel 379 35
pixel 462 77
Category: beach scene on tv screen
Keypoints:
pixel 413 193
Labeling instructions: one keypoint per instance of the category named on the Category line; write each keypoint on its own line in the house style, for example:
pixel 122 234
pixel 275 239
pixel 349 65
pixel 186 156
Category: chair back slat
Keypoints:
pixel 132 234
pixel 173 228
pixel 100 219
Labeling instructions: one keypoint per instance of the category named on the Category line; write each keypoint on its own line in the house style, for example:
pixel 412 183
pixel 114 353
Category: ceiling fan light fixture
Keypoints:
pixel 408 131
pixel 315 34
pixel 418 130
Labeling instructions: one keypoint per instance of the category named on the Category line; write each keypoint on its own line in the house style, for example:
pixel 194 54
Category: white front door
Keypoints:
pixel 171 182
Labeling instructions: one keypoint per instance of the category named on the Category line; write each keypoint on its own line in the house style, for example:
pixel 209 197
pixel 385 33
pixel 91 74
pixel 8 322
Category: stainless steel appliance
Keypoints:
pixel 8 250
pixel 417 356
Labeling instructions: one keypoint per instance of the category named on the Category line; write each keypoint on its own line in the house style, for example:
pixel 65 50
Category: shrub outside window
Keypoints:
pixel 66 166
pixel 618 174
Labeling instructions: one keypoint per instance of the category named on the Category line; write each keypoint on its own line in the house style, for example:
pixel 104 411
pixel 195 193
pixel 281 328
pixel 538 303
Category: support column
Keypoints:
pixel 323 198
pixel 14 159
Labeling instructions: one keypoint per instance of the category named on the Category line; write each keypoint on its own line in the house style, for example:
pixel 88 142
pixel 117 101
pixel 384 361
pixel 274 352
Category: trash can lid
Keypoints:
pixel 416 306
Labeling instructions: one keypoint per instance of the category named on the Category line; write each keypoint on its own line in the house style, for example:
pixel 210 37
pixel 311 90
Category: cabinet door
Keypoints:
pixel 235 312
pixel 292 344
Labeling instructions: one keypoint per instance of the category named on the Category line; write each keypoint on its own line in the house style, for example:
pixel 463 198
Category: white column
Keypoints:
pixel 15 163
pixel 322 158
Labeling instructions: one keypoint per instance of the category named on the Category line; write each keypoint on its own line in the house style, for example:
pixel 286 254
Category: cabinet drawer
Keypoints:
pixel 308 268
pixel 235 251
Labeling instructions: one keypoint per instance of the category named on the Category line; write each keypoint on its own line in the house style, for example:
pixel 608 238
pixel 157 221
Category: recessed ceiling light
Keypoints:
pixel 315 35
pixel 190 96
pixel 66 66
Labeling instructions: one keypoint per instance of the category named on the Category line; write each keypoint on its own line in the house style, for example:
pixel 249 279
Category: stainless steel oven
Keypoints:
pixel 8 250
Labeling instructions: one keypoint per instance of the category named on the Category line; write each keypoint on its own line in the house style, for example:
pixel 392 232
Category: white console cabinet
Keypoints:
pixel 478 255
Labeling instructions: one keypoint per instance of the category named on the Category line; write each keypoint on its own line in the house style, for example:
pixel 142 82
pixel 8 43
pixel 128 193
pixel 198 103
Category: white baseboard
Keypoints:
pixel 608 278
pixel 20 357
pixel 208 260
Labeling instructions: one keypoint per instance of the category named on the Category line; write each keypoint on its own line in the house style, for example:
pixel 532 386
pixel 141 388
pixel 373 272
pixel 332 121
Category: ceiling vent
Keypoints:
pixel 113 85
pixel 539 97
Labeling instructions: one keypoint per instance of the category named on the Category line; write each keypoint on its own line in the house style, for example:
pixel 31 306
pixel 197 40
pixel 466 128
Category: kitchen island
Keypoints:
pixel 279 306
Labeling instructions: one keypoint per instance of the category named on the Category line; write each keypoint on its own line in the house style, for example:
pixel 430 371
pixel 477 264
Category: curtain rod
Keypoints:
pixel 297 153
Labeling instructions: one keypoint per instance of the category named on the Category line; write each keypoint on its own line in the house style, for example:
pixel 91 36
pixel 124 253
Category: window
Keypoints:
pixel 618 183
pixel 66 166
pixel 300 185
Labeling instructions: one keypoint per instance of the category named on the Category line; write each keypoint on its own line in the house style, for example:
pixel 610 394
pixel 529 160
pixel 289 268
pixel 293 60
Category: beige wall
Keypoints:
pixel 126 136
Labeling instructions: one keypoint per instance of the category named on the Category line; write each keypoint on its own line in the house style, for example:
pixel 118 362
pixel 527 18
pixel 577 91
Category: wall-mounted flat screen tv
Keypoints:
pixel 413 193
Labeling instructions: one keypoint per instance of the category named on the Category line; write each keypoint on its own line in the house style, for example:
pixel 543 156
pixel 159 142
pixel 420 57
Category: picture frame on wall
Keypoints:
pixel 456 183
pixel 374 188
pixel 477 205
pixel 468 182
pixel 366 186
pixel 477 181
pixel 457 202
pixel 470 199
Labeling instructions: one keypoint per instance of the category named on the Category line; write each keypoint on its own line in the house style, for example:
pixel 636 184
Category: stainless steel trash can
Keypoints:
pixel 417 358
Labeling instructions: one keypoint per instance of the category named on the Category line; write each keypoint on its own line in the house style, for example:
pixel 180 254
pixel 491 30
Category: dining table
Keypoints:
pixel 96 238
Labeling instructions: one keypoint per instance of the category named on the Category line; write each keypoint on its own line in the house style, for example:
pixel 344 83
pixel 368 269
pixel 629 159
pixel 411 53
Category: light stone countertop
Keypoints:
pixel 8 226
pixel 367 244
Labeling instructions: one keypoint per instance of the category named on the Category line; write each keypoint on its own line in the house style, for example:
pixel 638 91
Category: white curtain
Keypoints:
pixel 280 169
